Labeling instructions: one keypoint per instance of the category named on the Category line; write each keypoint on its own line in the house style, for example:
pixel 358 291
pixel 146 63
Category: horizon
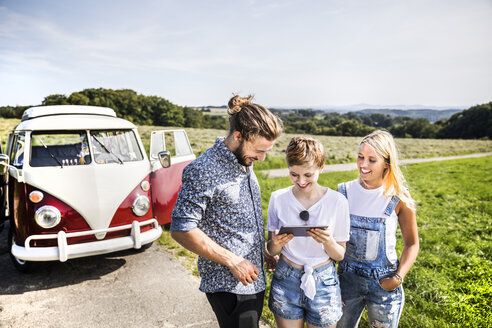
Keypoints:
pixel 349 107
pixel 355 106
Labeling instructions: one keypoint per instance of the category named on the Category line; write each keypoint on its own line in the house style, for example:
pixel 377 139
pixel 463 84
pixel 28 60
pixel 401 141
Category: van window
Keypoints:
pixel 175 142
pixel 17 156
pixel 115 146
pixel 181 143
pixel 59 148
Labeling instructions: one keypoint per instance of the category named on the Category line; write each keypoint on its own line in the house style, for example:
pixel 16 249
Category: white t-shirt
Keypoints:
pixel 372 203
pixel 331 210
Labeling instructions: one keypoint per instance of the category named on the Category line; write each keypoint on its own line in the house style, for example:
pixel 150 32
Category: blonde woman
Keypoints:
pixel 371 275
pixel 305 287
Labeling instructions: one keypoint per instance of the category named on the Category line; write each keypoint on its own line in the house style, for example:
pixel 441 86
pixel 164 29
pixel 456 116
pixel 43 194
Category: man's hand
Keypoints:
pixel 244 271
pixel 198 242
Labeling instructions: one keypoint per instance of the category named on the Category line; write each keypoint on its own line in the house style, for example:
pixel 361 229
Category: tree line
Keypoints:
pixel 137 108
pixel 472 123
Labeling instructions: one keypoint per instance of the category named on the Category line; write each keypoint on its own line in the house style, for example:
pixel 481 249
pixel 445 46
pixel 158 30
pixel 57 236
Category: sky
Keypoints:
pixel 291 53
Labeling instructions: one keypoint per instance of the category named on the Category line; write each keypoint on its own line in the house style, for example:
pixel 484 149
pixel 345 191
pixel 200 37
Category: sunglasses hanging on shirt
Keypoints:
pixel 304 215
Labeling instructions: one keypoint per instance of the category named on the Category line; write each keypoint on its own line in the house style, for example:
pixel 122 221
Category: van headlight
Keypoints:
pixel 47 216
pixel 141 205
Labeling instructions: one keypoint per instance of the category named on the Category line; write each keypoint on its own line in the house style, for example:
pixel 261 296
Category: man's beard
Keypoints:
pixel 239 153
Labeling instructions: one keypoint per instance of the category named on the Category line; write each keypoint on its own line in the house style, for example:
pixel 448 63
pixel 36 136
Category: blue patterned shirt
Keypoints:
pixel 223 200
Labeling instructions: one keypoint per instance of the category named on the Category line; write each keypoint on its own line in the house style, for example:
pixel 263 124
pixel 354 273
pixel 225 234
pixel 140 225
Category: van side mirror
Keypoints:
pixel 165 158
pixel 4 164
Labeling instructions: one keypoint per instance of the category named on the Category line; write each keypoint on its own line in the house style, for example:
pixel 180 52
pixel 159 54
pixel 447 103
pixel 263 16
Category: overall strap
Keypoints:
pixel 391 206
pixel 342 189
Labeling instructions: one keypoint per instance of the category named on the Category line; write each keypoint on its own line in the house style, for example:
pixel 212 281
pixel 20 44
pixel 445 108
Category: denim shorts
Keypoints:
pixel 287 299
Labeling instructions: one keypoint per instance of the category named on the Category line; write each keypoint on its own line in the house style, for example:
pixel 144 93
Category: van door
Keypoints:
pixel 15 184
pixel 3 188
pixel 166 181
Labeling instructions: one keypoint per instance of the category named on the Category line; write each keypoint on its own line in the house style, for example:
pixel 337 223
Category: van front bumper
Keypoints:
pixel 64 251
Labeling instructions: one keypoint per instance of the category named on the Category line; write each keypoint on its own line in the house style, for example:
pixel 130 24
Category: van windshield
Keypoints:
pixel 60 148
pixel 67 148
pixel 115 146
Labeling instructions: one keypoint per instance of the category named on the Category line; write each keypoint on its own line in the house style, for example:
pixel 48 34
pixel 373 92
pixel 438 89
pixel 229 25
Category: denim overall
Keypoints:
pixel 365 263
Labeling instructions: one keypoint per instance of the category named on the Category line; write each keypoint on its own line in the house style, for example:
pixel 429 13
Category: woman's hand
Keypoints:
pixel 322 236
pixel 280 240
pixel 276 241
pixel 390 283
pixel 334 249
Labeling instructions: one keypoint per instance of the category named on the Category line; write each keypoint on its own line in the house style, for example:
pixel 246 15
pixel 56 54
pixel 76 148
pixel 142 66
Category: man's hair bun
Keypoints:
pixel 237 103
pixel 252 120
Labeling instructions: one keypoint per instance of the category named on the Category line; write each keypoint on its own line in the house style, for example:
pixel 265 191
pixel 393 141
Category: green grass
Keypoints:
pixel 6 126
pixel 450 284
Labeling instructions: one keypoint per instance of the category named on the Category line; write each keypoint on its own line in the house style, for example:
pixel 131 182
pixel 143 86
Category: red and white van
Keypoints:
pixel 77 182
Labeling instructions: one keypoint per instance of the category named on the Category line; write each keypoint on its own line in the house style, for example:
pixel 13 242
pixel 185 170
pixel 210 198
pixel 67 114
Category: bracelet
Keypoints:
pixel 399 278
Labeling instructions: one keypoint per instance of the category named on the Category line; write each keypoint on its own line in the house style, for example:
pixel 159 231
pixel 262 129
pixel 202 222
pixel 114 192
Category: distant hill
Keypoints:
pixel 430 114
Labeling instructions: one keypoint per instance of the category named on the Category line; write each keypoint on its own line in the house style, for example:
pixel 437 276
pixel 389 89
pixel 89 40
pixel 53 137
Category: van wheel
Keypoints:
pixel 20 265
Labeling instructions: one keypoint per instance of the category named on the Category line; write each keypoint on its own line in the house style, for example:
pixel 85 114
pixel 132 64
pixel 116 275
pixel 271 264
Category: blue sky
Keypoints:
pixel 286 53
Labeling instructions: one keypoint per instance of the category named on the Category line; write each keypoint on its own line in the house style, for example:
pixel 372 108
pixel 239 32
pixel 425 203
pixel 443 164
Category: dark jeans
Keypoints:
pixel 237 311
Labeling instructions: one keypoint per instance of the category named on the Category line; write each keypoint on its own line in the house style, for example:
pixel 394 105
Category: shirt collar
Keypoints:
pixel 228 156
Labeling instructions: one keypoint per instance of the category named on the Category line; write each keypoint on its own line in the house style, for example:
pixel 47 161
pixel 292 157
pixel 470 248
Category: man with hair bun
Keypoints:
pixel 218 214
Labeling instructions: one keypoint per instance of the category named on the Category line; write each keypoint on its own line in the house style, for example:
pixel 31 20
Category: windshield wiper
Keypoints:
pixel 107 150
pixel 49 152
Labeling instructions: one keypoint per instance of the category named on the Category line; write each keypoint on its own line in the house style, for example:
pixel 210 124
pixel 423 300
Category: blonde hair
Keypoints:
pixel 252 120
pixel 305 150
pixel 394 182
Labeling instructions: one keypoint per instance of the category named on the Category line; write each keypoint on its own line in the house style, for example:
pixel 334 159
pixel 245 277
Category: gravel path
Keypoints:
pixel 120 290
pixel 352 166
pixel 124 289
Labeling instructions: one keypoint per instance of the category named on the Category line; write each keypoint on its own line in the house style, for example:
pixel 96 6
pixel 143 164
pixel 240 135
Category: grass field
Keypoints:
pixel 450 284
pixel 338 149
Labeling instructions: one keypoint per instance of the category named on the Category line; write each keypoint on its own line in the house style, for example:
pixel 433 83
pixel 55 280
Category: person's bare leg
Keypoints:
pixel 309 326
pixel 284 323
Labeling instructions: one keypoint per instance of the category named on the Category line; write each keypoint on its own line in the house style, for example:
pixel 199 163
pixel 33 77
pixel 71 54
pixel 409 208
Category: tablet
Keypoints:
pixel 299 231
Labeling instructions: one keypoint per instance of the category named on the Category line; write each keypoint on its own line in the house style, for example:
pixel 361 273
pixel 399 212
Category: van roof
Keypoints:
pixel 68 117
pixel 35 112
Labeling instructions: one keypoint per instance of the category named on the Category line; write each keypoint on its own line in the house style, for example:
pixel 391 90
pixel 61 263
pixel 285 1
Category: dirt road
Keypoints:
pixel 352 166
pixel 125 289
